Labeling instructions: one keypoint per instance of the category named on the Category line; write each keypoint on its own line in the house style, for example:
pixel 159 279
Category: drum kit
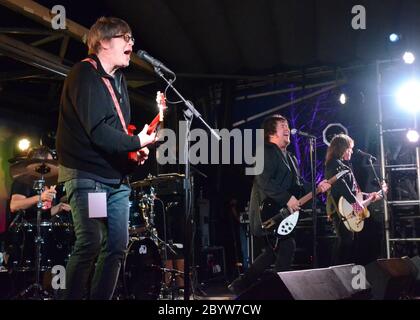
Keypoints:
pixel 34 247
pixel 143 273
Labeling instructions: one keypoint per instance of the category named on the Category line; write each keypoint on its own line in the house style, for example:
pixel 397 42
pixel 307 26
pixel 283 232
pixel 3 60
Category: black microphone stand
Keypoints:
pixel 189 113
pixel 312 153
pixel 378 181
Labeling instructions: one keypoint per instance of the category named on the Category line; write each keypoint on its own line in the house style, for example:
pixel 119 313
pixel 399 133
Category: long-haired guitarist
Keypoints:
pixel 344 193
pixel 94 151
pixel 281 182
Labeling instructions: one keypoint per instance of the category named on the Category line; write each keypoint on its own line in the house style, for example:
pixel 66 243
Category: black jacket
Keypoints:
pixel 345 187
pixel 279 181
pixel 90 136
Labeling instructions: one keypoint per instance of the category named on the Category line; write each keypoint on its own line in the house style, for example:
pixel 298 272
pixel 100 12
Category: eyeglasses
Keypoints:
pixel 126 37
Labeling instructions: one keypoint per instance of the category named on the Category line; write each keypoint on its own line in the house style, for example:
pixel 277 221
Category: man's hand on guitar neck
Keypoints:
pixel 374 196
pixel 324 186
pixel 293 204
pixel 146 139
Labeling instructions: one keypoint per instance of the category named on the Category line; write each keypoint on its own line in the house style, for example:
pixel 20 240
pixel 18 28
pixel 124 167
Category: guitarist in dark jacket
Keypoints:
pixel 280 181
pixel 93 145
pixel 337 159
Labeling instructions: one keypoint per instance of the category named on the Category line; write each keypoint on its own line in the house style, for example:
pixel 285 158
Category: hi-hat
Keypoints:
pixel 142 183
pixel 29 170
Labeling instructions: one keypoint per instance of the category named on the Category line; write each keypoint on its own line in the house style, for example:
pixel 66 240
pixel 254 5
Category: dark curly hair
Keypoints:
pixel 270 125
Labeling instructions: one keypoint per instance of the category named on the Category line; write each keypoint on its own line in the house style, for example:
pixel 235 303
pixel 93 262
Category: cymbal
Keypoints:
pixel 157 181
pixel 33 169
pixel 141 183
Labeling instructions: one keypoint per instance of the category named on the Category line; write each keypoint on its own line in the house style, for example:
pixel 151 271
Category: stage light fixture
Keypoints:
pixel 331 131
pixel 23 144
pixel 408 96
pixel 412 136
pixel 342 98
pixel 409 57
pixel 393 37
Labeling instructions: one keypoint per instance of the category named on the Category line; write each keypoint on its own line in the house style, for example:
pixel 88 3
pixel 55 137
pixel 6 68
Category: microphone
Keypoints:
pixel 365 154
pixel 154 62
pixel 302 133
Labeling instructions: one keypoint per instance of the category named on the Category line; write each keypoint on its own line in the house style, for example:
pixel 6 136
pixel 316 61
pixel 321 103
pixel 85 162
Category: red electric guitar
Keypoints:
pixel 153 126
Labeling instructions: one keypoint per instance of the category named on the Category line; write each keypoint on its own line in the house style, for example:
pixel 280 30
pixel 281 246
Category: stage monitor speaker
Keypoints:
pixel 391 279
pixel 332 283
pixel 353 277
pixel 416 261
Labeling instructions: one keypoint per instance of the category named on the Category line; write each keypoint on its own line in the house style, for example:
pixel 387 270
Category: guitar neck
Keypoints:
pixel 153 124
pixel 308 196
pixel 367 202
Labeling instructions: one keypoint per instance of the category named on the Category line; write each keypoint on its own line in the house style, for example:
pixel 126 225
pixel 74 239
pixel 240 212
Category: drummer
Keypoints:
pixel 24 197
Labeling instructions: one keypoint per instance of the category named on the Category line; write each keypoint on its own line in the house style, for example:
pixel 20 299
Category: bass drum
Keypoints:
pixel 142 270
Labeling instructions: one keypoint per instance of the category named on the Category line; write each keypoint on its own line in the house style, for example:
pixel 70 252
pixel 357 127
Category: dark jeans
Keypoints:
pixel 345 247
pixel 100 240
pixel 281 255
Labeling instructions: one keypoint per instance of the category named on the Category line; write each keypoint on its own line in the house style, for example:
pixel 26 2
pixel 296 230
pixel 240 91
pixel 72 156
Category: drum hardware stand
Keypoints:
pixel 38 292
pixel 150 223
pixel 173 287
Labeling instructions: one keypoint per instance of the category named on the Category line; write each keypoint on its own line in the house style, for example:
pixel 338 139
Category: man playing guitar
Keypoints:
pixel 93 145
pixel 281 182
pixel 346 191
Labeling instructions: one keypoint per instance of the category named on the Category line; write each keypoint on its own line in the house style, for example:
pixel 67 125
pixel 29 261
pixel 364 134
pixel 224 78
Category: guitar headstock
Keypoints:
pixel 161 102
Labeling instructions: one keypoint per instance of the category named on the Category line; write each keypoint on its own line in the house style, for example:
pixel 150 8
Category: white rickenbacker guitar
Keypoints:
pixel 271 212
pixel 355 221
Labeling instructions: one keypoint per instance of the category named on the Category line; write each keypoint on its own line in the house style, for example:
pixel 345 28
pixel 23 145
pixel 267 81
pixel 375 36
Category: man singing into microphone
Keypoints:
pixel 93 145
pixel 281 182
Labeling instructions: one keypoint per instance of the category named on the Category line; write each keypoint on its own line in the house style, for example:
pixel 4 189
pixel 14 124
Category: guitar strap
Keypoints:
pixel 291 164
pixel 111 92
pixel 295 172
